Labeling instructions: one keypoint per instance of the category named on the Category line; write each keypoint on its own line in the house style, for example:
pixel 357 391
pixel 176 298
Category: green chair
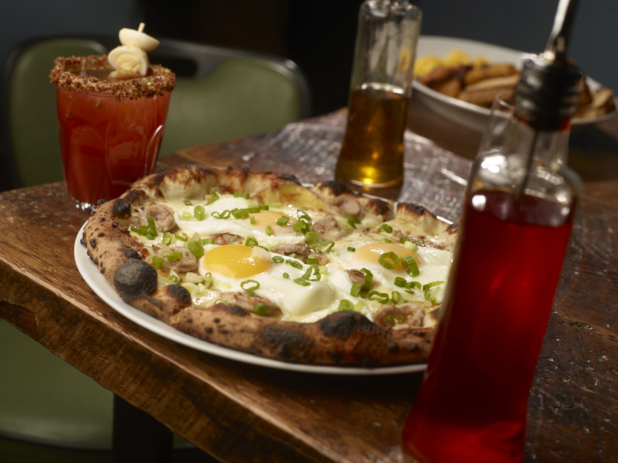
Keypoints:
pixel 221 94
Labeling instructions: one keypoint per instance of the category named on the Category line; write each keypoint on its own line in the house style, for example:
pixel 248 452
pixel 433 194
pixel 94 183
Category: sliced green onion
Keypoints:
pixel 157 262
pixel 395 297
pixel 251 242
pixel 368 280
pixel 196 248
pixel 395 319
pixel 323 270
pixel 385 240
pixel 344 304
pixel 208 241
pixel 199 212
pixel 187 202
pixel 240 214
pixel 294 263
pixel 174 279
pixel 382 298
pixel 409 264
pixel 359 305
pixel 276 205
pixel 394 260
pixel 259 309
pixel 263 207
pixel 277 259
pixel 356 289
pixel 313 237
pixel 222 215
pixel 167 238
pixel 312 261
pixel 432 284
pixel 252 220
pixel 182 237
pixel 250 286
pixel 213 197
pixel 269 230
pixel 283 220
pixel 312 273
pixel 174 255
pixel 327 244
pixel 301 281
pixel 186 215
pixel 352 221
pixel 387 228
pixel 151 229
pixel 351 249
pixel 400 282
pixel 286 275
pixel 411 246
pixel 410 285
pixel 241 195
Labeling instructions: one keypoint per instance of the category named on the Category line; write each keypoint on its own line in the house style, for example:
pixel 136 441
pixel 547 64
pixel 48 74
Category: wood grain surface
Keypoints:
pixel 240 412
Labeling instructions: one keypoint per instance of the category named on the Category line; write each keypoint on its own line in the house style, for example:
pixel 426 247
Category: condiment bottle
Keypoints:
pixel 513 235
pixel 372 151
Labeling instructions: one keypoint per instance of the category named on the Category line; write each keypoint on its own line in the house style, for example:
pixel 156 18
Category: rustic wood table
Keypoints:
pixel 240 412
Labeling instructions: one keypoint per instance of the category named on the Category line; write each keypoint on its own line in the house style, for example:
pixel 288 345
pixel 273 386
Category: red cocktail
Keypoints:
pixel 110 129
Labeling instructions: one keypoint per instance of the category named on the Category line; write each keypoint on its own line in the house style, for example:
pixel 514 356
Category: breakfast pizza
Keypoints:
pixel 259 263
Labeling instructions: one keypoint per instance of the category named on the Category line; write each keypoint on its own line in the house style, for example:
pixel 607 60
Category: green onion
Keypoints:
pixel 313 237
pixel 196 248
pixel 167 239
pixel 151 229
pixel 252 220
pixel 428 296
pixel 323 270
pixel 400 282
pixel 312 273
pixel 157 262
pixel 240 214
pixel 394 260
pixel 269 230
pixel 222 215
pixel 409 264
pixel 283 220
pixel 409 245
pixel 387 228
pixel 294 263
pixel 395 319
pixel 251 242
pixel 187 202
pixel 277 259
pixel 186 215
pixel 395 297
pixel 208 241
pixel 352 221
pixel 275 205
pixel 259 309
pixel 356 289
pixel 412 285
pixel 329 245
pixel 359 305
pixel 286 275
pixel 174 279
pixel 241 195
pixel 301 281
pixel 263 207
pixel 382 298
pixel 351 249
pixel 368 280
pixel 312 261
pixel 250 286
pixel 175 255
pixel 385 240
pixel 199 212
pixel 182 237
pixel 344 304
pixel 213 197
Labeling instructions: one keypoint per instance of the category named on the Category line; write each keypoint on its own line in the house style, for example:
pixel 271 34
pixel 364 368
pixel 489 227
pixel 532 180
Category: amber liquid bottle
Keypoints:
pixel 372 153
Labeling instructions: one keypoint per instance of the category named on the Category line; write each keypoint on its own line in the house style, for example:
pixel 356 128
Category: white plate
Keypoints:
pixel 102 288
pixel 466 114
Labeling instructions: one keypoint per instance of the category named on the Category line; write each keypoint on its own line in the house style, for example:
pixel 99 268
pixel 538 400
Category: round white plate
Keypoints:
pixel 466 114
pixel 102 288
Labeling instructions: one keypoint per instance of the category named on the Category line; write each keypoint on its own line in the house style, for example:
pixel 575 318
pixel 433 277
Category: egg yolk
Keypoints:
pixel 265 218
pixel 370 253
pixel 235 261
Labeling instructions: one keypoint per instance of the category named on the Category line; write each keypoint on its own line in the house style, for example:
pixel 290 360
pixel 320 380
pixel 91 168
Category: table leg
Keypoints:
pixel 137 436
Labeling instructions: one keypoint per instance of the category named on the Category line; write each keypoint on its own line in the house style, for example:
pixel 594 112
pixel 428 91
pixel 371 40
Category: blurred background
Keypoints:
pixel 318 34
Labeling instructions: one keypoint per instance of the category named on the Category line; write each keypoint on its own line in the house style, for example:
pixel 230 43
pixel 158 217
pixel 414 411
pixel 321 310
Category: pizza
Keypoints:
pixel 259 263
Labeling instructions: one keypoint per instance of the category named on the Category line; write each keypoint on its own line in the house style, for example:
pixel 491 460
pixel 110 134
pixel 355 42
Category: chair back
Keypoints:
pixel 221 94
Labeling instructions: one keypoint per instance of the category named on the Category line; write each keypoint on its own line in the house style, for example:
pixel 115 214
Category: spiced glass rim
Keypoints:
pixel 66 74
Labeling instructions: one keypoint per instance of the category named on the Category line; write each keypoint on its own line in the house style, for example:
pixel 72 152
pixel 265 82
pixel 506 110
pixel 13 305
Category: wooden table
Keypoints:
pixel 240 412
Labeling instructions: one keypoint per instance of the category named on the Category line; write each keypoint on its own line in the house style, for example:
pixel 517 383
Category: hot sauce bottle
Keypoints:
pixel 516 222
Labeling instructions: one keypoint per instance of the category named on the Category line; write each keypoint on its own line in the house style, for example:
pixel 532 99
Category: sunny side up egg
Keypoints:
pixel 238 268
pixel 213 223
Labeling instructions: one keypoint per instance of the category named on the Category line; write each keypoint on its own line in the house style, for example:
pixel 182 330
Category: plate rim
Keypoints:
pixel 101 287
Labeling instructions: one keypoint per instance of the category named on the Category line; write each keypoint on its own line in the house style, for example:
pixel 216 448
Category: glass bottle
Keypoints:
pixel 372 151
pixel 513 235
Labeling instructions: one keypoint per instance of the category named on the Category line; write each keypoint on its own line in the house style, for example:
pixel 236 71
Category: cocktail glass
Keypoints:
pixel 110 129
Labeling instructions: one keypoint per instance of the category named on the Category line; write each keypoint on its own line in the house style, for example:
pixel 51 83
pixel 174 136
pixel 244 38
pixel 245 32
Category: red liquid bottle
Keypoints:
pixel 513 235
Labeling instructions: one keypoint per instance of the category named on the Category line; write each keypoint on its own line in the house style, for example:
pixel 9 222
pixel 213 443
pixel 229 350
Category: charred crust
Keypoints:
pixel 82 241
pixel 102 219
pixel 377 206
pixel 289 177
pixel 234 310
pixel 452 229
pixel 393 347
pixel 342 325
pixel 100 234
pixel 114 224
pixel 135 278
pixel 287 341
pixel 180 293
pixel 412 208
pixel 132 196
pixel 92 243
pixel 131 254
pixel 122 208
pixel 101 202
pixel 335 187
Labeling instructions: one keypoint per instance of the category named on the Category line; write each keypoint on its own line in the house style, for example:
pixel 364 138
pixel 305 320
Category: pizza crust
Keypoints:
pixel 342 338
